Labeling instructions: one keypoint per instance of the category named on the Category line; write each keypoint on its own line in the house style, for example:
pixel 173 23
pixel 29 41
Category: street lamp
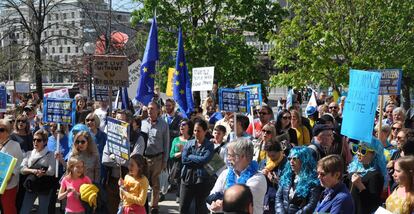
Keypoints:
pixel 89 49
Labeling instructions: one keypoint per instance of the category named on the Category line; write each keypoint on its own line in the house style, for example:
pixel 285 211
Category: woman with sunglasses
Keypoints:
pixel 186 130
pixel 395 128
pixel 93 122
pixel 367 175
pixel 86 150
pixel 22 134
pixel 38 162
pixel 402 198
pixel 299 189
pixel 283 125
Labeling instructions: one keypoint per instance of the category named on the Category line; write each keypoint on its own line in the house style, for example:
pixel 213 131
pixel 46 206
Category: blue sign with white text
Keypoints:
pixel 3 98
pixel 233 100
pixel 360 105
pixel 255 94
pixel 59 110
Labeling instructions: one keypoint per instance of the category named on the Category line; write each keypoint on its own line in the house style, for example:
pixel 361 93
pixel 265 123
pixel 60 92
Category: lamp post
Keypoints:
pixel 89 49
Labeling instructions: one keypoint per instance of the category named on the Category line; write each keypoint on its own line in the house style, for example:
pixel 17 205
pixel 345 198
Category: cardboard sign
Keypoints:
pixel 7 164
pixel 59 110
pixel 233 100
pixel 390 82
pixel 22 87
pixel 118 139
pixel 203 79
pixel 101 93
pixel 110 71
pixel 360 105
pixel 3 98
pixel 255 94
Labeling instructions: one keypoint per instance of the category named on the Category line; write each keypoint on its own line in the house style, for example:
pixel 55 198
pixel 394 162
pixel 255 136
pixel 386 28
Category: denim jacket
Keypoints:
pixel 193 161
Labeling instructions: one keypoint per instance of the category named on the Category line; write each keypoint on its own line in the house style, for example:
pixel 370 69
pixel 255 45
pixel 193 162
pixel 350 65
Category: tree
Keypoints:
pixel 323 39
pixel 213 34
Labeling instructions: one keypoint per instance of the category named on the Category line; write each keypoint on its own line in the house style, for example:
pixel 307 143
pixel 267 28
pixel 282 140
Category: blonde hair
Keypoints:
pixel 71 164
pixel 91 149
pixel 22 117
pixel 406 164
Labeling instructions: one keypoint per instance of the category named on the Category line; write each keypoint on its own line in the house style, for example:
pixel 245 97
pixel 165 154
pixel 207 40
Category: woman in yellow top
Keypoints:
pixel 401 200
pixel 133 189
pixel 302 132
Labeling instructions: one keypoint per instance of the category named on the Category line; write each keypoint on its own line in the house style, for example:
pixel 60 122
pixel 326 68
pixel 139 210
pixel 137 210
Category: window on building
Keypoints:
pixel 66 58
pixel 73 15
pixel 58 42
pixel 76 32
pixel 60 32
pixel 76 49
pixel 68 49
pixel 61 49
pixel 67 32
pixel 64 16
pixel 65 41
pixel 53 50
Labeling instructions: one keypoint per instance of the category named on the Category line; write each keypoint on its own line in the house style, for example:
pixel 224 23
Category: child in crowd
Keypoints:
pixel 133 189
pixel 69 188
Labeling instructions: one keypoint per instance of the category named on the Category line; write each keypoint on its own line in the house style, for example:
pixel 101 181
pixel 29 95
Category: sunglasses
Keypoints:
pixel 90 120
pixel 333 107
pixel 21 121
pixel 183 124
pixel 267 131
pixel 395 128
pixel 363 150
pixel 2 129
pixel 263 113
pixel 37 140
pixel 293 158
pixel 81 141
pixel 287 118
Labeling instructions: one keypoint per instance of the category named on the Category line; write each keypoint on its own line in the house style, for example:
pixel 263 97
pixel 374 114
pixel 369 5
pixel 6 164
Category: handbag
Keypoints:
pixel 35 184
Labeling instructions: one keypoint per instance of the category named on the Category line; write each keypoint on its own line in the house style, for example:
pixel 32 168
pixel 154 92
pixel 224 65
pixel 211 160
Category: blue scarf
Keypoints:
pixel 244 176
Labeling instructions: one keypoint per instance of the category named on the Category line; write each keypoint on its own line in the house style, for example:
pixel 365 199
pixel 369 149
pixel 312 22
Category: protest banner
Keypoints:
pixel 360 105
pixel 255 94
pixel 101 93
pixel 22 87
pixel 61 111
pixel 390 81
pixel 234 100
pixel 3 98
pixel 7 164
pixel 110 71
pixel 202 79
pixel 169 91
pixel 118 139
pixel 60 93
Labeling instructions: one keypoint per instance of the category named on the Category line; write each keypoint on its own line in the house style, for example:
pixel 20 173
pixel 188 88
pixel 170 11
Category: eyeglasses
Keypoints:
pixel 395 128
pixel 183 124
pixel 293 158
pixel 90 120
pixel 263 113
pixel 81 141
pixel 267 131
pixel 21 121
pixel 2 129
pixel 37 140
pixel 363 150
pixel 287 118
pixel 333 107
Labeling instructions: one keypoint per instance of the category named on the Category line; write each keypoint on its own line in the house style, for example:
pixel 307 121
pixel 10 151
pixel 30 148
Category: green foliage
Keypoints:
pixel 213 34
pixel 325 38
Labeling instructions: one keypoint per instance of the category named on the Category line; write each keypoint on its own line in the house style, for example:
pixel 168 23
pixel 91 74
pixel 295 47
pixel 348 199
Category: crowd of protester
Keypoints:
pixel 282 159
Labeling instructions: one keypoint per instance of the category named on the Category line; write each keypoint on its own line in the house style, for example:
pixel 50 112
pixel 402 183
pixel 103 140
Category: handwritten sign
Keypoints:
pixel 110 71
pixel 203 79
pixel 390 82
pixel 360 105
pixel 118 139
pixel 7 164
pixel 255 94
pixel 233 100
pixel 22 87
pixel 3 98
pixel 59 110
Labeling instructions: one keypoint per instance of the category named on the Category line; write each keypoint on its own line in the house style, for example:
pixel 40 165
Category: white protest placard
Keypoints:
pixel 203 79
pixel 60 93
pixel 22 87
pixel 118 139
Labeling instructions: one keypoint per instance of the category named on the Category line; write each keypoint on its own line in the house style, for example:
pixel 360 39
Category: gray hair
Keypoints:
pixel 95 117
pixel 6 123
pixel 242 147
pixel 385 128
pixel 399 110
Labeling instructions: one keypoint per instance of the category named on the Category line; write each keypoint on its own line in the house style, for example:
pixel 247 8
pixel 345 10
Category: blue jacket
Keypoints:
pixel 298 205
pixel 336 200
pixel 194 159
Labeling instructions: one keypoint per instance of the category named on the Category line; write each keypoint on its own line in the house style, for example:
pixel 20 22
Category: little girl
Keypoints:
pixel 133 189
pixel 71 182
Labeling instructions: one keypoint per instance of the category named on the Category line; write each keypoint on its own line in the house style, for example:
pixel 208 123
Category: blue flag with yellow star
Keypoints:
pixel 145 90
pixel 181 82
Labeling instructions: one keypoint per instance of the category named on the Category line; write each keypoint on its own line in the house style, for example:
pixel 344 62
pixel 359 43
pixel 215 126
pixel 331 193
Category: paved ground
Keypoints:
pixel 169 205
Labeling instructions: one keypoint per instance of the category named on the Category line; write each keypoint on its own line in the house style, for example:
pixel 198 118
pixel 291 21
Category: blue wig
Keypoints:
pixel 377 163
pixel 307 177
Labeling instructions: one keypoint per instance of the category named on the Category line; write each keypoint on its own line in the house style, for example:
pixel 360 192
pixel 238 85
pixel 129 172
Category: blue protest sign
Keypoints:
pixel 59 110
pixel 3 98
pixel 233 100
pixel 118 139
pixel 255 94
pixel 360 105
pixel 390 81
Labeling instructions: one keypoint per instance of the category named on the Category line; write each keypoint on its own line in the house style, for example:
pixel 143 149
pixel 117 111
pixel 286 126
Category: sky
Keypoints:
pixel 124 5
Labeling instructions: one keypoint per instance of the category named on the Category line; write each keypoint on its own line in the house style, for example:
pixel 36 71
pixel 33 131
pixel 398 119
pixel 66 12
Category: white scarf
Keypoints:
pixel 35 155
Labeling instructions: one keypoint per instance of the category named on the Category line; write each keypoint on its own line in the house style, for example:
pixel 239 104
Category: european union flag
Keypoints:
pixel 145 90
pixel 181 82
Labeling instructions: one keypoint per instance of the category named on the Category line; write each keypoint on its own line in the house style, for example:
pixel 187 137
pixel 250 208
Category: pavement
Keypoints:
pixel 169 205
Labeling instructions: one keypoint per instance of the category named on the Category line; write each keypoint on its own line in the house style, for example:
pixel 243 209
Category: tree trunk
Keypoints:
pixel 38 70
pixel 406 92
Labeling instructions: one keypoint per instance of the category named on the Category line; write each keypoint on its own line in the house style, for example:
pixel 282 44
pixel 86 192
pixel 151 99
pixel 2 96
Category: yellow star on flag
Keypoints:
pixel 177 73
pixel 145 69
pixel 181 64
pixel 177 83
pixel 181 91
